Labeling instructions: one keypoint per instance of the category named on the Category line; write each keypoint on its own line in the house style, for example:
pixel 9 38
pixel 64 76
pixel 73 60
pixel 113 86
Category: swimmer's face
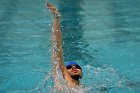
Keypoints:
pixel 74 70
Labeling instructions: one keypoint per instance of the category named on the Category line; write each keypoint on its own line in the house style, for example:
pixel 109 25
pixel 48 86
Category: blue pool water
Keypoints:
pixel 103 36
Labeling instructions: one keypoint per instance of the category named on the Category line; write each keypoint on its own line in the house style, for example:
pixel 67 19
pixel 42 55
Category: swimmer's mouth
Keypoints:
pixel 75 71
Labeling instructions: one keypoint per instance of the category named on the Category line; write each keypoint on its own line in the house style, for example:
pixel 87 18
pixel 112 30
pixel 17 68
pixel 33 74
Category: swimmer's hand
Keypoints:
pixel 53 9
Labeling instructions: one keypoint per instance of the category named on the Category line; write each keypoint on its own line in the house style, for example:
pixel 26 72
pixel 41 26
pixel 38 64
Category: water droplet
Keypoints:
pixel 63 42
pixel 58 49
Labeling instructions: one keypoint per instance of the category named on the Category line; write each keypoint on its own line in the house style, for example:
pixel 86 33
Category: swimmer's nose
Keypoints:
pixel 73 67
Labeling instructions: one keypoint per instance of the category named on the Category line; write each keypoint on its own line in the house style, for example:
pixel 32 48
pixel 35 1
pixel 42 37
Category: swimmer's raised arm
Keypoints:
pixel 57 55
pixel 72 72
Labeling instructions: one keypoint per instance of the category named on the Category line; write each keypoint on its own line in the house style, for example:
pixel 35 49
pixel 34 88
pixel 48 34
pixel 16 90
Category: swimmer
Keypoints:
pixel 71 71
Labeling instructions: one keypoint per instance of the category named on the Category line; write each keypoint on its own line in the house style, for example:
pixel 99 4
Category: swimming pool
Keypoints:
pixel 102 36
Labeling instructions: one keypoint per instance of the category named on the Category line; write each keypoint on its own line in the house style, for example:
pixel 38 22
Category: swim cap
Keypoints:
pixel 71 63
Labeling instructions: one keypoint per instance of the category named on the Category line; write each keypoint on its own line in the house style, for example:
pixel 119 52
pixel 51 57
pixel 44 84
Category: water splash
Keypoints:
pixel 101 79
pixel 95 80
